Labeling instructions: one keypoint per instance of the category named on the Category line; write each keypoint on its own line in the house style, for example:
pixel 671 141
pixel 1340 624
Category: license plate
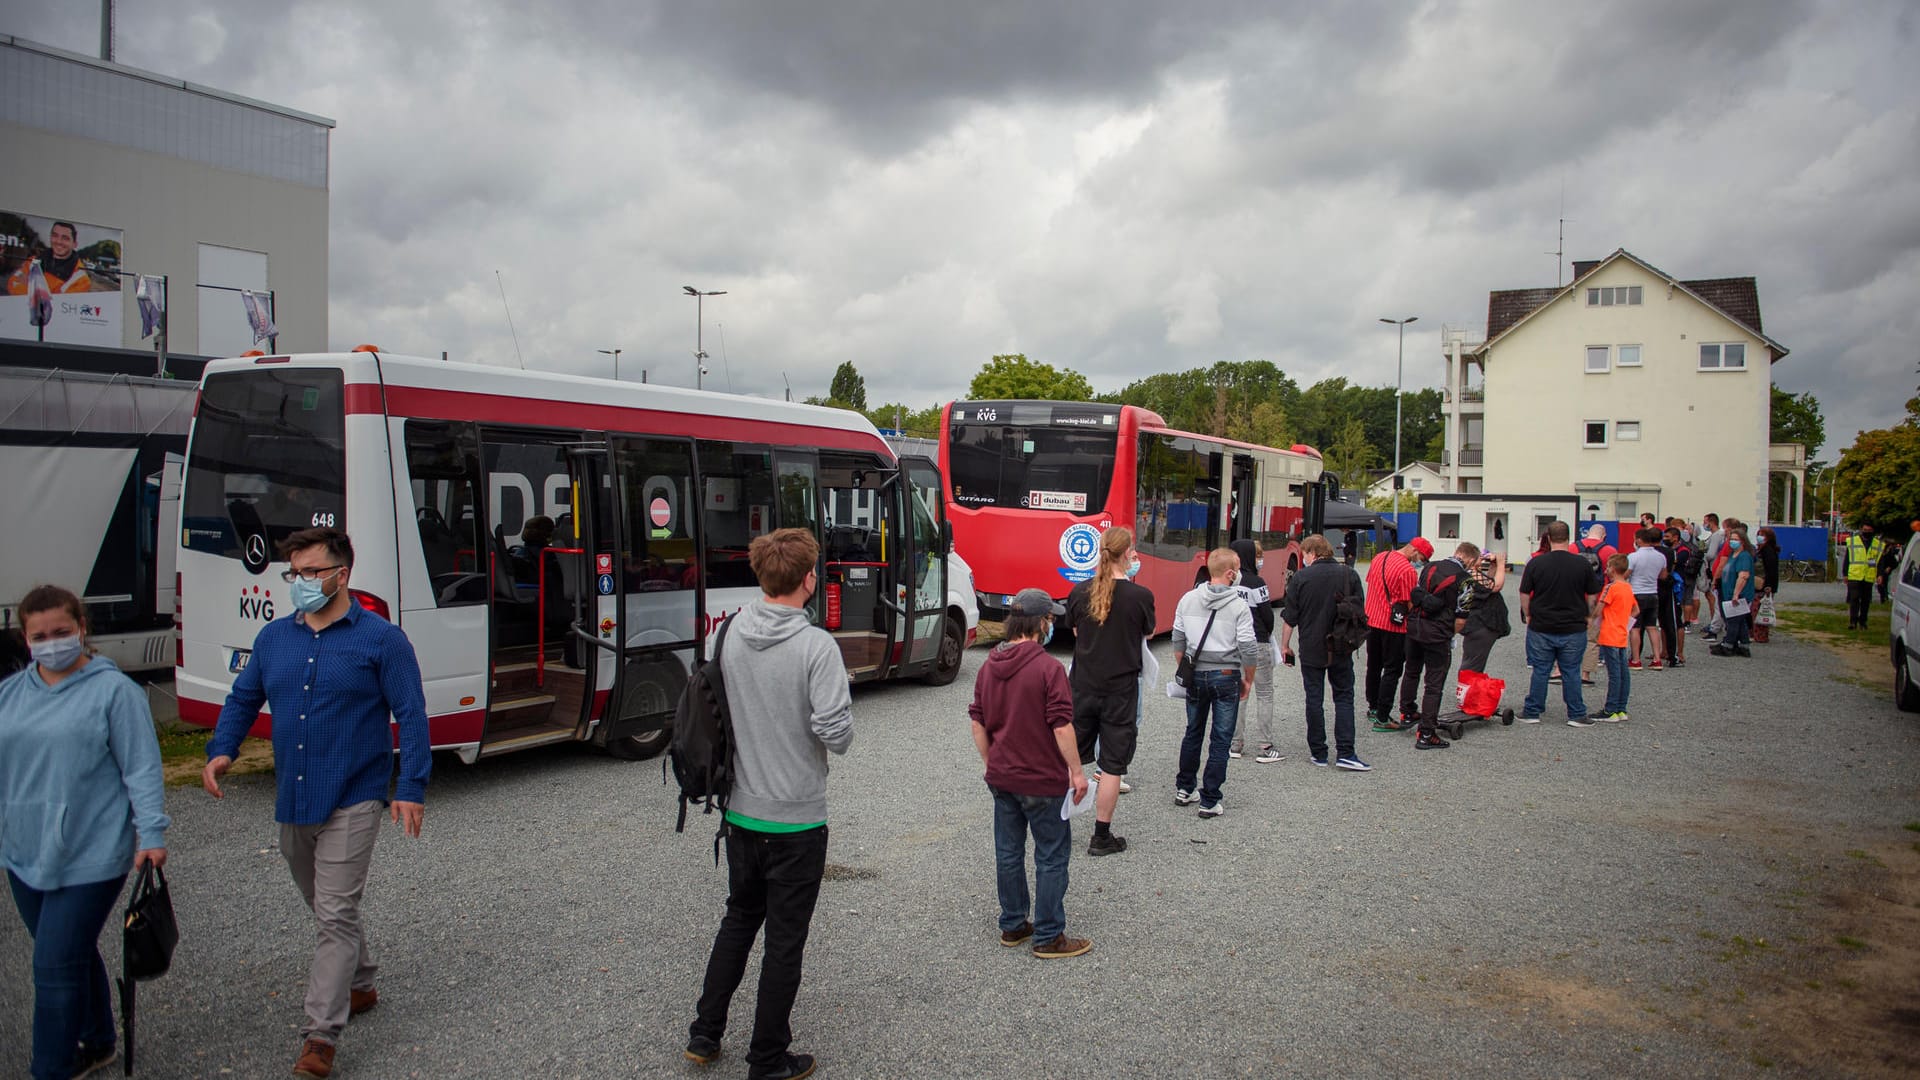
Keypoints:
pixel 1008 599
pixel 239 660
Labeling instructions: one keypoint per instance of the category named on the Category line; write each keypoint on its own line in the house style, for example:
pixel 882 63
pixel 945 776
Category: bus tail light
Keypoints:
pixel 371 603
pixel 833 605
pixel 179 632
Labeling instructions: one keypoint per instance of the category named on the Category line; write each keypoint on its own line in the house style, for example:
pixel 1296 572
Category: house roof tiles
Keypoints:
pixel 1738 298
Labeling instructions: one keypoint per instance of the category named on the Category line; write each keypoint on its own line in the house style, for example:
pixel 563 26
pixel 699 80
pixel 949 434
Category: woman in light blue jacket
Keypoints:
pixel 80 804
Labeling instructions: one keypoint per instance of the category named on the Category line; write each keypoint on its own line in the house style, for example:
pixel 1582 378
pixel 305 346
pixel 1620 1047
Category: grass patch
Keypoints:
pixel 184 744
pixel 1741 948
pixel 1912 826
pixel 1847 941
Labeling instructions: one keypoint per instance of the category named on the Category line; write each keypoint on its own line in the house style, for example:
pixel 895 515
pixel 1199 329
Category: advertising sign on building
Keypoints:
pixel 62 281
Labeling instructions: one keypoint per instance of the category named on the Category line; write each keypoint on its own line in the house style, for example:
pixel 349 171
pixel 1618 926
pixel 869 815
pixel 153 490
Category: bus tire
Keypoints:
pixel 953 645
pixel 1905 694
pixel 643 722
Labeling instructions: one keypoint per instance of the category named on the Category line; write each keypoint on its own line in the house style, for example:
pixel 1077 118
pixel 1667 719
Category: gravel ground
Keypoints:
pixel 1535 901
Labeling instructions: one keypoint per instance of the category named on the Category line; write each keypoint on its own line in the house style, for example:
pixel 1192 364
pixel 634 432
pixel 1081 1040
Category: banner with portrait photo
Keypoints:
pixel 59 281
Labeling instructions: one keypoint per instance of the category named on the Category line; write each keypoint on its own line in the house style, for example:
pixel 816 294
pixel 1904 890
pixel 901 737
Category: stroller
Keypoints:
pixel 1479 695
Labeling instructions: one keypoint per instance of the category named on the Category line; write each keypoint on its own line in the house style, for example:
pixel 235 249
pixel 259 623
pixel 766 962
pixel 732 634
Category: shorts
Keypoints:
pixel 1108 718
pixel 1649 608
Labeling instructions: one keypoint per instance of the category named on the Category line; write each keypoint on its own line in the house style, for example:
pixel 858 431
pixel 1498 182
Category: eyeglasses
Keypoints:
pixel 318 573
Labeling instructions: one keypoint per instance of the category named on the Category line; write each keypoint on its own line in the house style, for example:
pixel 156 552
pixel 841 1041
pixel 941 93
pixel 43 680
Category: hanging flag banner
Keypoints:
pixel 259 315
pixel 62 281
pixel 150 294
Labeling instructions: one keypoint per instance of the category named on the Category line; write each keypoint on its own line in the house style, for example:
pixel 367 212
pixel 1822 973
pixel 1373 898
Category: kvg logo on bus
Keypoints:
pixel 1080 551
pixel 255 604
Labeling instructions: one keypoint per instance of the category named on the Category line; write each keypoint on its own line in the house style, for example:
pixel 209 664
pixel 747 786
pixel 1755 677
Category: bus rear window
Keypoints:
pixel 267 460
pixel 1006 466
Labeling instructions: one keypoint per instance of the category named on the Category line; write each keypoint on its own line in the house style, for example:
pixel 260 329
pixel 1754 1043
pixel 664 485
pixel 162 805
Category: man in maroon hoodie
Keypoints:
pixel 1022 715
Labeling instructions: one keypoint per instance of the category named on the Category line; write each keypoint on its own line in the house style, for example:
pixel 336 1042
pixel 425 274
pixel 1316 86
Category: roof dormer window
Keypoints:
pixel 1613 296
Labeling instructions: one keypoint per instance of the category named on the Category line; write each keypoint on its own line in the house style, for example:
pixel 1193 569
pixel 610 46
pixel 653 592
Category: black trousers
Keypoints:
pixel 1859 601
pixel 1386 655
pixel 1669 617
pixel 772 878
pixel 1476 646
pixel 1434 658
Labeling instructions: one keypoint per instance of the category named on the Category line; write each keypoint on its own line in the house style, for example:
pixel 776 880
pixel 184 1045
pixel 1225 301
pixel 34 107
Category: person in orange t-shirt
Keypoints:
pixel 1617 607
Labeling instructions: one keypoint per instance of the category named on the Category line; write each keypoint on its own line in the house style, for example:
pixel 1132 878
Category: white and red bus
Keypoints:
pixel 1031 485
pixel 653 493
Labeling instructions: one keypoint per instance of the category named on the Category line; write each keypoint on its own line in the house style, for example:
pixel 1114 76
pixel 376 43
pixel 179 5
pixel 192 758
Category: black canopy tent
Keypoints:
pixel 1346 515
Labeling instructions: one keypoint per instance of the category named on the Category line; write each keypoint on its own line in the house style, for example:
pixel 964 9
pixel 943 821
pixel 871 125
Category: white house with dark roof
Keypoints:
pixel 1636 390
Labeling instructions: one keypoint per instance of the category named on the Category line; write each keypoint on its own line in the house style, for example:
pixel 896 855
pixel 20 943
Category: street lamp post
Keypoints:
pixel 615 353
pixel 699 331
pixel 1399 378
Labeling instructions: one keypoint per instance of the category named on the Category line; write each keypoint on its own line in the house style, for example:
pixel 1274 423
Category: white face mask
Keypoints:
pixel 1259 564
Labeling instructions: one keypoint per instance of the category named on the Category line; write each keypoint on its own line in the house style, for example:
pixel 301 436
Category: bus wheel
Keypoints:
pixel 953 642
pixel 642 724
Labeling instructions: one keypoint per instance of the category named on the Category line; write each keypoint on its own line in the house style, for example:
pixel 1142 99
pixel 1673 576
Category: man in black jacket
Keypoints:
pixel 1312 592
pixel 1431 622
pixel 1253 589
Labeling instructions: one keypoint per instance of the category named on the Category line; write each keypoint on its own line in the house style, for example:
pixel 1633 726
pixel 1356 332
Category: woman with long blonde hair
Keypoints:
pixel 1109 617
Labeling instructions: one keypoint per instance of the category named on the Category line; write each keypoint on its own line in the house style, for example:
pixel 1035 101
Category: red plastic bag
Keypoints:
pixel 1479 694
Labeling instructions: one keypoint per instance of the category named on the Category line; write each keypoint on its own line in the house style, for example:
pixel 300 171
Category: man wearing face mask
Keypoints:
pixel 1254 590
pixel 1862 554
pixel 335 677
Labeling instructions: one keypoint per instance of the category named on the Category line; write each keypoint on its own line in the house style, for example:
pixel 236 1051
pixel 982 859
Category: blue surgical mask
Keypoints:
pixel 1734 544
pixel 58 654
pixel 1132 569
pixel 309 596
pixel 1046 637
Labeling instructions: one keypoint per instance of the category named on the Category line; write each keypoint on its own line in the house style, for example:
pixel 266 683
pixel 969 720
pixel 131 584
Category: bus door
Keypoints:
pixel 859 561
pixel 922 589
pixel 1242 506
pixel 648 603
pixel 1216 497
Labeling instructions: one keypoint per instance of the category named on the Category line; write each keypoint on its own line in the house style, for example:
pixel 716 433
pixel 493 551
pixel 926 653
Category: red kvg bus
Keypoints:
pixel 1031 484
pixel 557 548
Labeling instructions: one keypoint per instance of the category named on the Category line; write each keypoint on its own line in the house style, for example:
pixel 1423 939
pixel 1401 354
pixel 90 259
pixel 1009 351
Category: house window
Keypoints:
pixel 1627 430
pixel 1626 511
pixel 1597 360
pixel 1613 296
pixel 1629 356
pixel 1414 483
pixel 1729 356
pixel 1596 433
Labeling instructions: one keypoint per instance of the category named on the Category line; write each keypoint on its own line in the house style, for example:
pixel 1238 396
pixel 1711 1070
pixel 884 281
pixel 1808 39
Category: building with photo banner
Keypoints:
pixel 112 175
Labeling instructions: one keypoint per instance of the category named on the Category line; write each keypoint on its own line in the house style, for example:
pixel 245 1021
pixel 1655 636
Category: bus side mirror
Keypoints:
pixel 946 538
pixel 1333 485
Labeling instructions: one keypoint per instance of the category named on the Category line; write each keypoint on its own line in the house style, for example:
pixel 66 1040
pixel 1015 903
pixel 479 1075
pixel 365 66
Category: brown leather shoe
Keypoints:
pixel 1062 946
pixel 1017 935
pixel 316 1060
pixel 359 1001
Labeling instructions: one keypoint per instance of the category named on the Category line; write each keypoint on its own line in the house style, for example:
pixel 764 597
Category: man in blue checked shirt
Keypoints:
pixel 332 673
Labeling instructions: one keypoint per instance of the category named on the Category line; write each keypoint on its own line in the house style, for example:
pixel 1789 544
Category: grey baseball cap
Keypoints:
pixel 1035 602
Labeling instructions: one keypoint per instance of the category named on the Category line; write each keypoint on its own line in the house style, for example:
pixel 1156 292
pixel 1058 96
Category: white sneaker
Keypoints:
pixel 1182 797
pixel 1235 752
pixel 1270 755
pixel 1215 810
pixel 1125 788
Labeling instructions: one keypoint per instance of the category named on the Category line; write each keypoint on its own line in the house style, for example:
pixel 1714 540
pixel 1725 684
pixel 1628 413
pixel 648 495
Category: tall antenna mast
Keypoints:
pixel 516 334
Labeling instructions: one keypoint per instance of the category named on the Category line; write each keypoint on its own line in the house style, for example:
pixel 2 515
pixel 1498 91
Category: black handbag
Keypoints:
pixel 1184 673
pixel 151 932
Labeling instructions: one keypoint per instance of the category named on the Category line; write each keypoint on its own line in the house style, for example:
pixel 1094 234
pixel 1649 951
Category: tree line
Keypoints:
pixel 1251 400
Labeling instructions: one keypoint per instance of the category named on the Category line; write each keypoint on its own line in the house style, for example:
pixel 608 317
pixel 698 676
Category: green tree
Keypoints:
pixel 919 423
pixel 1797 418
pixel 1349 455
pixel 1878 478
pixel 848 386
pixel 1013 377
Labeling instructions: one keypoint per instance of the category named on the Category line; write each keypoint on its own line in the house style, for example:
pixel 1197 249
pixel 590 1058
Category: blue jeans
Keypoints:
pixel 1340 674
pixel 71 1003
pixel 1545 650
pixel 1216 691
pixel 1013 817
pixel 1619 678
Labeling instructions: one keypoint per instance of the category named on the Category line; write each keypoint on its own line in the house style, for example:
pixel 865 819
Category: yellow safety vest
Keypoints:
pixel 1863 560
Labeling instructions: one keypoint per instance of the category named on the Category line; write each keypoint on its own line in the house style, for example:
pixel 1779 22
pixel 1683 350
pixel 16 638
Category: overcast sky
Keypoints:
pixel 1118 187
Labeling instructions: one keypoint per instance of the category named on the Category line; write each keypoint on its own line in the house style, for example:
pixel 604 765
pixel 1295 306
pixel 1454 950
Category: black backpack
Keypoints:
pixel 1594 566
pixel 1349 628
pixel 1429 596
pixel 702 749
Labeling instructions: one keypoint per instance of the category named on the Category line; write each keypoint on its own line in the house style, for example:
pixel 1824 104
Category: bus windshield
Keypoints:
pixel 267 459
pixel 1032 455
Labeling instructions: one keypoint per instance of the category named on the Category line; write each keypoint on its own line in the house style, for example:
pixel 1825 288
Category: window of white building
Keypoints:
pixel 1613 296
pixel 1627 356
pixel 1596 433
pixel 1598 360
pixel 1627 430
pixel 1727 356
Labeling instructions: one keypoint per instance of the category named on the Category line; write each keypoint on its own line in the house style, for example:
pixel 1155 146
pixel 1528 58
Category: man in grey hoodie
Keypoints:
pixel 1215 623
pixel 787 695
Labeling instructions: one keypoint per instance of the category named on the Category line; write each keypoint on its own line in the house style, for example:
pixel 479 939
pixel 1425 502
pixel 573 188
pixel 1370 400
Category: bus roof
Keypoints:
pixel 417 386
pixel 1078 413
